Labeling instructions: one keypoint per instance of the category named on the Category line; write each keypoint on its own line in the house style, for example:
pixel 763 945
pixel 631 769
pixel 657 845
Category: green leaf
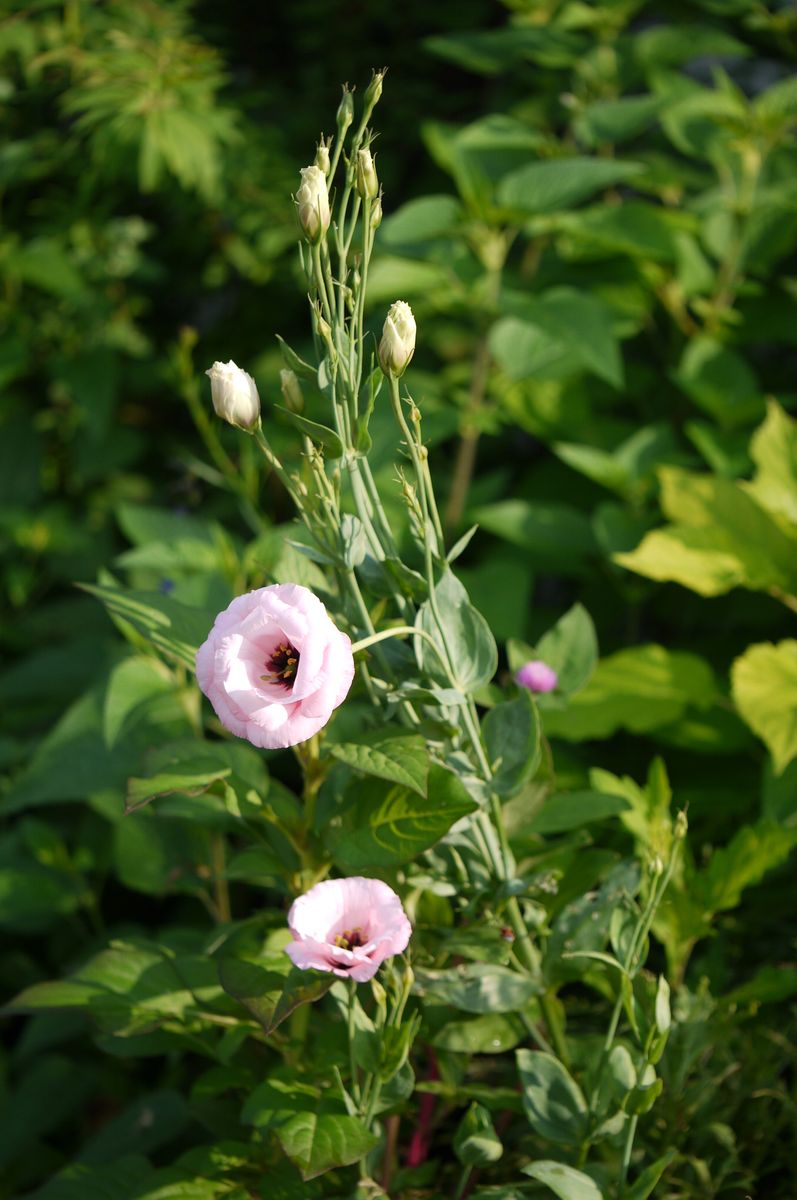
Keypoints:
pixel 32 897
pixel 774 451
pixel 333 447
pixel 73 761
pixel 385 827
pixel 168 541
pixel 563 812
pixel 555 535
pixel 764 686
pixel 479 988
pixel 566 1182
pixel 303 369
pixel 494 51
pixel 172 627
pixel 646 1181
pixel 465 637
pixel 512 736
pixel 317 1142
pixel 387 754
pixel 616 120
pixel 571 648
pixel 128 1178
pixel 579 325
pixel 421 220
pixel 561 183
pixel 270 988
pixel 476 1143
pixel 633 228
pixel 152 1120
pixel 720 381
pixel 492 1033
pixel 189 778
pixel 752 851
pixel 132 685
pixel 639 689
pixel 130 987
pixel 552 1100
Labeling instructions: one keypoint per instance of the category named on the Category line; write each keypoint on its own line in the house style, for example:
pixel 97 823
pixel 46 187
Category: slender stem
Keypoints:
pixel 220 887
pixel 463 1182
pixel 355 1082
pixel 627 1152
pixel 397 631
pixel 321 283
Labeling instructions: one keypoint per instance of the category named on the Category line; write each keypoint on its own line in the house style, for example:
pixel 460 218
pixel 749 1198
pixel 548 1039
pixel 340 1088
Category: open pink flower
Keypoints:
pixel 347 926
pixel 537 676
pixel 274 666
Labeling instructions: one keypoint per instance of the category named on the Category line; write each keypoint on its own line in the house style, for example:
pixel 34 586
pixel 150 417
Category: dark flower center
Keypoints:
pixel 349 939
pixel 282 665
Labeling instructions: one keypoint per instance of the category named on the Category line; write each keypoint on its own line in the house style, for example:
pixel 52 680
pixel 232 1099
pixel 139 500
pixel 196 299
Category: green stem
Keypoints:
pixel 355 1082
pixel 627 1152
pixel 220 887
pixel 463 1182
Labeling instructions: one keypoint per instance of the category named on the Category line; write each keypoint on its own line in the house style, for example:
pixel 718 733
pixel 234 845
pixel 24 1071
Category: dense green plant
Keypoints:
pixel 606 318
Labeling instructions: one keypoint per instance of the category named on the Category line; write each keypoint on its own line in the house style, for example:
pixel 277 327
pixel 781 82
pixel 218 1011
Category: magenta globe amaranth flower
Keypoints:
pixel 275 666
pixel 347 926
pixel 537 676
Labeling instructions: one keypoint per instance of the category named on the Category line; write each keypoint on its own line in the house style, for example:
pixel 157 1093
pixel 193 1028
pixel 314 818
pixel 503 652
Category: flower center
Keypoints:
pixel 282 665
pixel 349 939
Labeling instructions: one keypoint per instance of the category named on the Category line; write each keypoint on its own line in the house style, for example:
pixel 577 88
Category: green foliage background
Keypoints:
pixel 592 209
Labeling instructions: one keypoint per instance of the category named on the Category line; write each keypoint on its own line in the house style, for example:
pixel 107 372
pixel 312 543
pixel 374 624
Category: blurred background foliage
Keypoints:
pixel 592 209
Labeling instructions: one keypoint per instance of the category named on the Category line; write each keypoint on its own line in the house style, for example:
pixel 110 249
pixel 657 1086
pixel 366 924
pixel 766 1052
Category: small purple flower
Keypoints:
pixel 537 676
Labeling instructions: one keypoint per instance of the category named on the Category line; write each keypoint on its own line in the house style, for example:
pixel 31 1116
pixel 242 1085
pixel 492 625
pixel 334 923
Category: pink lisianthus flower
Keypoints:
pixel 347 926
pixel 537 676
pixel 275 666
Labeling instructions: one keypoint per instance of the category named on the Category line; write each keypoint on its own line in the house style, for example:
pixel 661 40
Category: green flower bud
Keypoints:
pixel 345 114
pixel 376 212
pixel 291 390
pixel 374 89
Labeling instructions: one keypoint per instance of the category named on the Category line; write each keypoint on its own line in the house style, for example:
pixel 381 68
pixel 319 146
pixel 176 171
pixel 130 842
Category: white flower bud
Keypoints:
pixel 234 395
pixel 367 182
pixel 398 339
pixel 291 390
pixel 376 212
pixel 313 201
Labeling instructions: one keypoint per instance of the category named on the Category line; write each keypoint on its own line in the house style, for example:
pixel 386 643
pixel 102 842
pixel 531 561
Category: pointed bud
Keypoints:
pixel 376 212
pixel 345 114
pixel 234 395
pixel 322 157
pixel 398 339
pixel 367 182
pixel 291 390
pixel 313 201
pixel 374 89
